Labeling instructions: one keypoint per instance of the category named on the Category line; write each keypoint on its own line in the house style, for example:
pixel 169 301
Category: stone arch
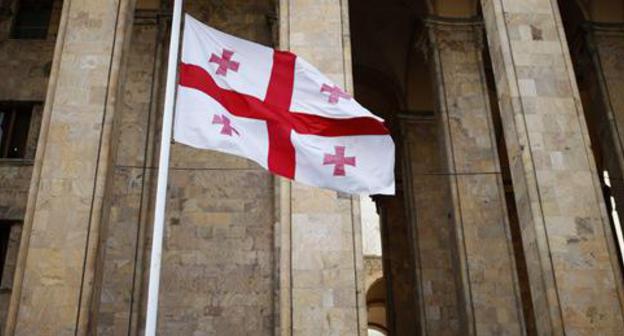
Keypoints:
pixel 376 306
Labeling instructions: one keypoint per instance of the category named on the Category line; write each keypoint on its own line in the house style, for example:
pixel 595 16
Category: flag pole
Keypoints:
pixel 163 171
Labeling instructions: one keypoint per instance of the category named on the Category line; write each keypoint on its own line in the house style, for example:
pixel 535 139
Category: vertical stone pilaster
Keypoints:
pixel 559 200
pixel 604 44
pixel 122 271
pixel 218 254
pixel 403 312
pixel 465 264
pixel 486 262
pixel 428 197
pixel 325 263
pixel 67 199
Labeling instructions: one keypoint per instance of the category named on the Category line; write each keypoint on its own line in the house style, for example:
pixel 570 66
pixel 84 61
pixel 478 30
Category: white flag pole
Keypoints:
pixel 163 172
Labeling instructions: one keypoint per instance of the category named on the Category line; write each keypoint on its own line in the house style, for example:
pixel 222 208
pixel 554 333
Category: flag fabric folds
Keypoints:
pixel 272 107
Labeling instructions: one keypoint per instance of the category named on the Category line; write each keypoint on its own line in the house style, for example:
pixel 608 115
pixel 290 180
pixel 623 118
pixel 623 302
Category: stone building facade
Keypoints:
pixel 507 115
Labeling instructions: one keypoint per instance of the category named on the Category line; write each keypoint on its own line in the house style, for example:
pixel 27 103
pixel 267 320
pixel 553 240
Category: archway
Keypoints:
pixel 376 308
pixel 394 77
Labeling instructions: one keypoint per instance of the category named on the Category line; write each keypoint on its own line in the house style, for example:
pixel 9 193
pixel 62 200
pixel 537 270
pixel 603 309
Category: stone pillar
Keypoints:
pixel 604 46
pixel 322 254
pixel 429 211
pixel 489 291
pixel 563 223
pixel 397 239
pixel 67 199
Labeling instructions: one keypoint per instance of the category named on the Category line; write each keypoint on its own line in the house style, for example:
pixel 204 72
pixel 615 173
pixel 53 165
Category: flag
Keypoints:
pixel 272 107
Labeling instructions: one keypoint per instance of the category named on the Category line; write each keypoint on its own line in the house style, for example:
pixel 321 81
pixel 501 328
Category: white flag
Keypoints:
pixel 272 107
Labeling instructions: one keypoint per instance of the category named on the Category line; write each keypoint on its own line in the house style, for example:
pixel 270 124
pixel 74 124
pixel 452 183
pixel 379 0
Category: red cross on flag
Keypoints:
pixel 276 109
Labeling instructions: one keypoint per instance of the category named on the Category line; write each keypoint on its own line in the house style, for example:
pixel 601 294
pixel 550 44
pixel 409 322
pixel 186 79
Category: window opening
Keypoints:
pixel 32 19
pixel 14 126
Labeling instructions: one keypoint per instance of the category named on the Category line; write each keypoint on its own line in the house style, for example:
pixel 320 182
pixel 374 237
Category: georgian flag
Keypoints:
pixel 276 109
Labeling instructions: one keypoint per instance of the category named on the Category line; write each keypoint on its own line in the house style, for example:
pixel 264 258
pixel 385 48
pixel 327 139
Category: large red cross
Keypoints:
pixel 274 109
pixel 225 62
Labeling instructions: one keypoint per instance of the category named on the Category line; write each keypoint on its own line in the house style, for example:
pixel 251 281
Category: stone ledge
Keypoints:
pixel 16 162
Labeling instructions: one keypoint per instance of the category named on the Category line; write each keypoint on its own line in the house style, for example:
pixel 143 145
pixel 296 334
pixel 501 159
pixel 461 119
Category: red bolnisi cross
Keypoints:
pixel 339 160
pixel 274 110
pixel 227 128
pixel 335 93
pixel 225 62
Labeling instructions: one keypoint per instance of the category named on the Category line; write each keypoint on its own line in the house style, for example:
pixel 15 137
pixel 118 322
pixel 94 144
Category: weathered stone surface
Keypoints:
pixel 70 173
pixel 437 265
pixel 26 63
pixel 133 183
pixel 24 71
pixel 6 283
pixel 234 246
pixel 490 292
pixel 14 181
pixel 324 224
pixel 398 262
pixel 558 196
pixel 373 270
pixel 600 69
pixel 218 262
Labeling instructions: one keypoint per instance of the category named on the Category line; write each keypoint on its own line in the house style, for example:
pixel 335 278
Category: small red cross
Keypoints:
pixel 227 128
pixel 335 93
pixel 339 160
pixel 225 62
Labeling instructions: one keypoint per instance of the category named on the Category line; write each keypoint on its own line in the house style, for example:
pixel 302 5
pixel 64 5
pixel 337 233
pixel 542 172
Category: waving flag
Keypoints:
pixel 276 109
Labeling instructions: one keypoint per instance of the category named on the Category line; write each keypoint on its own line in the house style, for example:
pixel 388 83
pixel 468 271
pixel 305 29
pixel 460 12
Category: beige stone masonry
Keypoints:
pixel 218 255
pixel 428 193
pixel 326 263
pixel 403 312
pixel 490 292
pixel 559 200
pixel 55 270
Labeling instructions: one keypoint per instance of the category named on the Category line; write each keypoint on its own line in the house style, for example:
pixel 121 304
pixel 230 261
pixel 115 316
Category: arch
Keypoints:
pixel 376 306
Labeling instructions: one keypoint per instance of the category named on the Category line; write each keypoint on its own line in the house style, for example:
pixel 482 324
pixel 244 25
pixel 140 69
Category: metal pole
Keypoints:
pixel 163 170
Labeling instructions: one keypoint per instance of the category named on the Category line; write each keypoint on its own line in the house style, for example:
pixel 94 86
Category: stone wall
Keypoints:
pixel 25 69
pixel 55 267
pixel 482 233
pixel 25 65
pixel 325 242
pixel 560 206
pixel 133 182
pixel 437 265
pixel 218 262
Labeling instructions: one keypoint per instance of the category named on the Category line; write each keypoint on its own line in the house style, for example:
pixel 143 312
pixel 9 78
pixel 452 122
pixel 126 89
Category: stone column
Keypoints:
pixel 67 199
pixel 489 290
pixel 563 223
pixel 604 46
pixel 324 265
pixel 403 313
pixel 429 210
